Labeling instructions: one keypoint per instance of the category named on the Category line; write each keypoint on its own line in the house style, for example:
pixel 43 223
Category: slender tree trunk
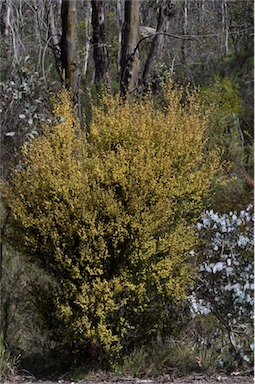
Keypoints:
pixel 201 9
pixel 87 37
pixel 68 45
pixel 129 60
pixel 184 29
pixel 222 16
pixel 53 38
pixel 4 18
pixel 226 26
pixel 99 42
pixel 166 11
pixel 120 16
pixel 9 22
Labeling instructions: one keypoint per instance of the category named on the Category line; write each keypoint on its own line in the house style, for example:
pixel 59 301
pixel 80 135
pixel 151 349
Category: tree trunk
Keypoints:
pixel 9 25
pixel 68 45
pixel 53 38
pixel 184 29
pixel 166 11
pixel 120 17
pixel 99 42
pixel 129 59
pixel 87 37
pixel 4 18
pixel 226 25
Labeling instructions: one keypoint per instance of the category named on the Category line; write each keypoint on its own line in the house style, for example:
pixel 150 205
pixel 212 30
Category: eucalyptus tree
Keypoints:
pixel 99 42
pixel 68 44
pixel 129 56
pixel 166 11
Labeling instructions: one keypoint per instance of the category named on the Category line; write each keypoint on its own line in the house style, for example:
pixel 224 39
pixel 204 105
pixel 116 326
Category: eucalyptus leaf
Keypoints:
pixel 11 134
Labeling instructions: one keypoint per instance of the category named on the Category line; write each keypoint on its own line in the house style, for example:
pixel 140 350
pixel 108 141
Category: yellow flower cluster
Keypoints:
pixel 110 216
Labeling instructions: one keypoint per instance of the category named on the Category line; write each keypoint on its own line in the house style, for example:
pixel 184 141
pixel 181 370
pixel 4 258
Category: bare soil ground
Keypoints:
pixel 166 379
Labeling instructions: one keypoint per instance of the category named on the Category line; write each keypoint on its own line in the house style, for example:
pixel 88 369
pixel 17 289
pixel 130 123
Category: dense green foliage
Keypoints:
pixel 110 217
pixel 225 131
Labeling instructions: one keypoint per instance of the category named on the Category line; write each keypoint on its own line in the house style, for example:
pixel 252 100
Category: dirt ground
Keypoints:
pixel 166 379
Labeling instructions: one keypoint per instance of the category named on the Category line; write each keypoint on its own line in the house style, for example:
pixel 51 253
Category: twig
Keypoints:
pixel 165 34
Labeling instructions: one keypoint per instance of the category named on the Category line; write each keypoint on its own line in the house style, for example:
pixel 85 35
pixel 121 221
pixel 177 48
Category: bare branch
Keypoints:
pixel 165 34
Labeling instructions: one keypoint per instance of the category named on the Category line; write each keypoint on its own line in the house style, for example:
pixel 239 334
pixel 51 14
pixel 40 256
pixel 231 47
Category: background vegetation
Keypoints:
pixel 113 207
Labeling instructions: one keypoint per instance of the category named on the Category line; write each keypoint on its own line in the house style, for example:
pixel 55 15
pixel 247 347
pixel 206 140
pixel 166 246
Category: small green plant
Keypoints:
pixel 8 363
pixel 135 363
pixel 24 105
pixel 170 355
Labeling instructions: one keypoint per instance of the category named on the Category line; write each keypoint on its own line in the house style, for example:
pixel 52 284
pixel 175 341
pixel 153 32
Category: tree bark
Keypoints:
pixel 68 45
pixel 166 11
pixel 53 37
pixel 184 29
pixel 87 37
pixel 99 42
pixel 225 5
pixel 129 60
pixel 120 17
pixel 4 18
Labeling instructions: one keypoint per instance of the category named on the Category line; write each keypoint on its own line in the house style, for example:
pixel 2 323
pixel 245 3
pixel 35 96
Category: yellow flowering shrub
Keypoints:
pixel 109 215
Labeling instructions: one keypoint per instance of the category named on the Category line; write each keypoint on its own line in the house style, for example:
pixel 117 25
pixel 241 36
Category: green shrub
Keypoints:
pixel 110 216
pixel 24 105
pixel 227 131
